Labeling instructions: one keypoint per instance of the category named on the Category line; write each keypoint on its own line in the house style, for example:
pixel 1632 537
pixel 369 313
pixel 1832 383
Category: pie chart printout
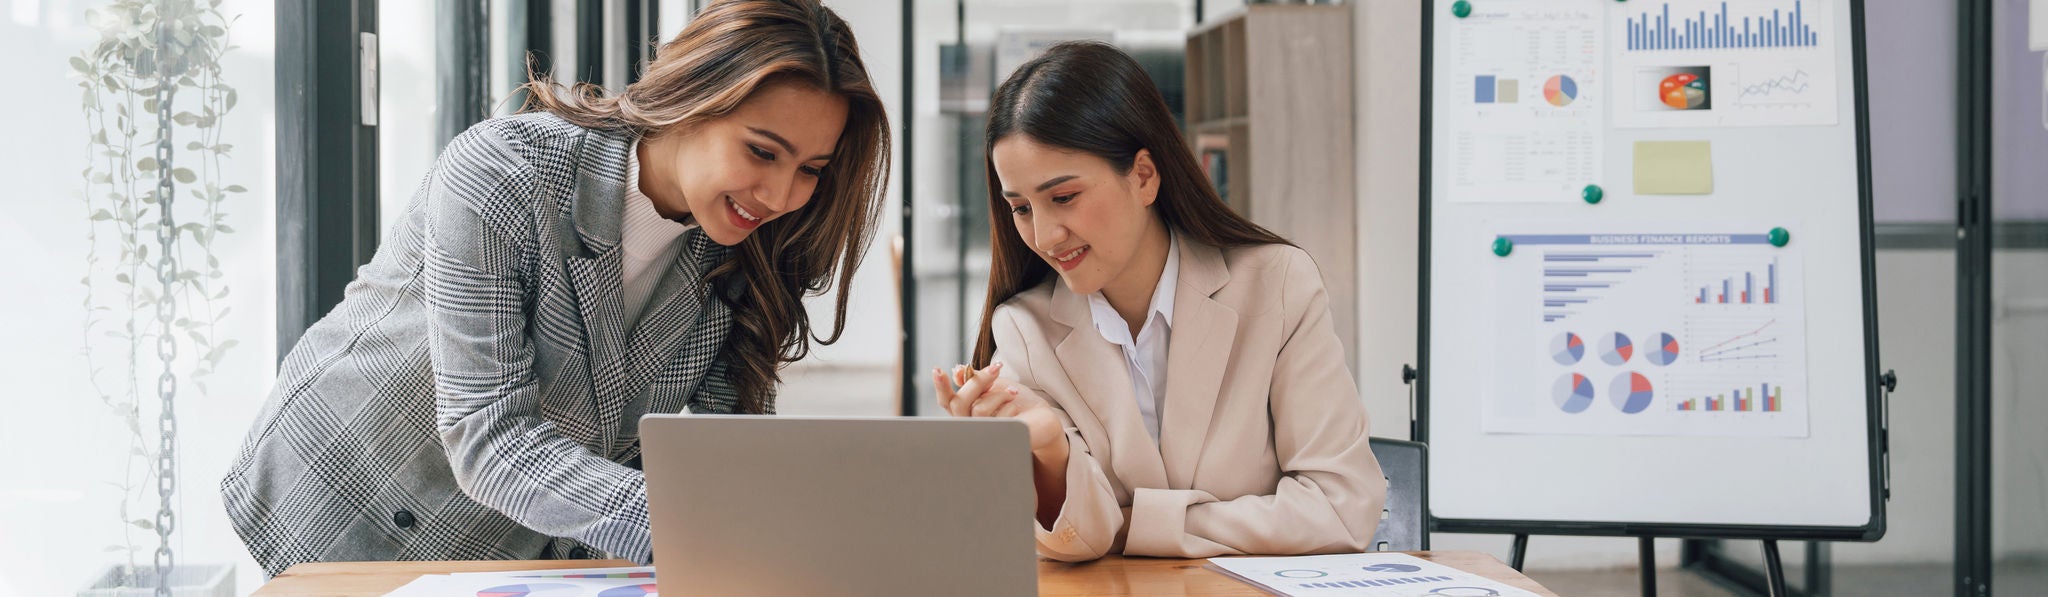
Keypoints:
pixel 529 590
pixel 1631 392
pixel 1567 348
pixel 1616 349
pixel 1573 393
pixel 1666 351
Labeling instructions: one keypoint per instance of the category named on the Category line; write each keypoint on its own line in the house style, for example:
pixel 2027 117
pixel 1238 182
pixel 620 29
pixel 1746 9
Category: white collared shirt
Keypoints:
pixel 647 239
pixel 1145 355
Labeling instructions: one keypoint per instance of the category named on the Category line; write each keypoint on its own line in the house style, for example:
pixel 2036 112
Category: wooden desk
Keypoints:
pixel 1108 577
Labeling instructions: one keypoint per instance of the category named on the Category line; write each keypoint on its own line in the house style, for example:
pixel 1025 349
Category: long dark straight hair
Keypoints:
pixel 1092 98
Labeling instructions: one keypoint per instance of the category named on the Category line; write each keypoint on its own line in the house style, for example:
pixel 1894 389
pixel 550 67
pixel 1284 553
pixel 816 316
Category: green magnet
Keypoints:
pixel 1502 246
pixel 1461 8
pixel 1780 236
pixel 1592 194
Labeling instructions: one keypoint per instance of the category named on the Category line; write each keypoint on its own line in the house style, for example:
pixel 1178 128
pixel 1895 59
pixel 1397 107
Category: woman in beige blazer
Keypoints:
pixel 1177 366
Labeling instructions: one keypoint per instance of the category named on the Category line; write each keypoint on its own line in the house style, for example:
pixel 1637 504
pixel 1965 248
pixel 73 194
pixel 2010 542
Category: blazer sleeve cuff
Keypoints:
pixel 1159 520
pixel 1079 532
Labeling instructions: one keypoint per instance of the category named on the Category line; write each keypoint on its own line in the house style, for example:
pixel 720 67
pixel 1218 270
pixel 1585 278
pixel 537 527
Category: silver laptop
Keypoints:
pixel 751 505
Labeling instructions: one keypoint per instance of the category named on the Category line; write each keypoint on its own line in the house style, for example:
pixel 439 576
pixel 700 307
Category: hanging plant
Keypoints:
pixel 155 105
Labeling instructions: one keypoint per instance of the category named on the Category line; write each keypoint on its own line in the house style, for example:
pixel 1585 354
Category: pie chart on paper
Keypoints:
pixel 1616 349
pixel 1666 351
pixel 1573 393
pixel 630 591
pixel 529 590
pixel 1560 90
pixel 1567 348
pixel 1631 392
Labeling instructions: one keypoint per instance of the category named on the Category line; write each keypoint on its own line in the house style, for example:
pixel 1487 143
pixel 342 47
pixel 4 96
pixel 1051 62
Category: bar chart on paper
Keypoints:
pixel 1645 333
pixel 1744 63
pixel 1715 27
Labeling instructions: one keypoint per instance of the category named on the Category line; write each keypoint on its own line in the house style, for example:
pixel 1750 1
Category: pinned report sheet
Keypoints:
pixel 1674 168
pixel 1366 574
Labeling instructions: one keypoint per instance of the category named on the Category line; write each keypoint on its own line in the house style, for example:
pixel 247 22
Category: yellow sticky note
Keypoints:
pixel 1674 168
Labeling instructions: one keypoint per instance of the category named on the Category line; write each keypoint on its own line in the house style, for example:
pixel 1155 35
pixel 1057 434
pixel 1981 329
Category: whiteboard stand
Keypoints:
pixel 1682 197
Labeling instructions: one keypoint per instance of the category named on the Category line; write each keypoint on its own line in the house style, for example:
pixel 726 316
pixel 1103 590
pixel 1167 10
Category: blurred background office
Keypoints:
pixel 302 127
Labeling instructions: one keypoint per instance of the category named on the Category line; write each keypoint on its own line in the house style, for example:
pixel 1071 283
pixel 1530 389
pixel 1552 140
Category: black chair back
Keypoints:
pixel 1404 524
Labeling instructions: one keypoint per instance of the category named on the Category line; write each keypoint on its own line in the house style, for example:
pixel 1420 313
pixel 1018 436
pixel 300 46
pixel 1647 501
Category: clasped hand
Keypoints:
pixel 984 393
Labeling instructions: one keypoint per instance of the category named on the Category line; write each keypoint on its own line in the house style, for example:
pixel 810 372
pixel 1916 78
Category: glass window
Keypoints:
pixel 408 110
pixel 78 489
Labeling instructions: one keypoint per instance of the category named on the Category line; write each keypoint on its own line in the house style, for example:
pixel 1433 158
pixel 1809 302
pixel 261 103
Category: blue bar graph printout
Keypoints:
pixel 1658 29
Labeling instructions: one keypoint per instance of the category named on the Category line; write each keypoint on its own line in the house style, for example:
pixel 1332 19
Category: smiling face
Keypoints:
pixel 1077 213
pixel 757 163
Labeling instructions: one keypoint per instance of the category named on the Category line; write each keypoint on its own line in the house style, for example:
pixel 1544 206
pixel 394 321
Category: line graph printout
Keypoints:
pixel 1709 63
pixel 1648 330
pixel 1527 89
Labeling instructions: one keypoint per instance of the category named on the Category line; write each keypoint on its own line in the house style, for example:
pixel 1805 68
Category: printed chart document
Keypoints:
pixel 1523 102
pixel 1723 63
pixel 1692 329
pixel 581 582
pixel 1363 574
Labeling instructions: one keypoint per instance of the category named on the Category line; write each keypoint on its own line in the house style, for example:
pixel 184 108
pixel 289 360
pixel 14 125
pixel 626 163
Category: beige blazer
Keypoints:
pixel 1263 439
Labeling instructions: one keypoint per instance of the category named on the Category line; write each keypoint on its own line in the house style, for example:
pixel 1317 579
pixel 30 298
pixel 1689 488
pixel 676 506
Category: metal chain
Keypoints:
pixel 166 305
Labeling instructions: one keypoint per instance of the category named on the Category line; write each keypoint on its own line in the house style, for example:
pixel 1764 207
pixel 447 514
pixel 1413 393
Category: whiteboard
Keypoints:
pixel 1691 354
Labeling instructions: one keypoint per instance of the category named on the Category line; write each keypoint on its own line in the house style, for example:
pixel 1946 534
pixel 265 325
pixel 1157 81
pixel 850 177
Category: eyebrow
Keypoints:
pixel 1043 185
pixel 786 146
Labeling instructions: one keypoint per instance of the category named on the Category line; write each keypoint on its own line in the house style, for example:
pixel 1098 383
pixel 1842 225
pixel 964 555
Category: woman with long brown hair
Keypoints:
pixel 1176 364
pixel 561 272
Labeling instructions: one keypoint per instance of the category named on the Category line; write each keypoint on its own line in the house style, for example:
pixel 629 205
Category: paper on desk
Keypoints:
pixel 578 573
pixel 579 582
pixel 1363 574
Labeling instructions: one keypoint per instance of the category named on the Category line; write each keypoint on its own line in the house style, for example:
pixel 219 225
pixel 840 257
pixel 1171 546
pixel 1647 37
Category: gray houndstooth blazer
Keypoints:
pixel 477 393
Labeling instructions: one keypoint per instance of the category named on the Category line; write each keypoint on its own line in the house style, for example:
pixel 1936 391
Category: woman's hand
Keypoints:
pixel 984 394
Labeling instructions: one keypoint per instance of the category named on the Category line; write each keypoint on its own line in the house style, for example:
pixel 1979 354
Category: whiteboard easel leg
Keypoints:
pixel 1647 548
pixel 1520 550
pixel 1774 569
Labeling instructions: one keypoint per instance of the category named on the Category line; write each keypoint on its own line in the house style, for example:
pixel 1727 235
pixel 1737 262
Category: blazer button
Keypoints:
pixel 579 553
pixel 403 519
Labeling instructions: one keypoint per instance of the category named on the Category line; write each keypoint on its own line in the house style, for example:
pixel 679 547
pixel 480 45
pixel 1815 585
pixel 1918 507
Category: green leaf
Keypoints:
pixel 183 175
pixel 102 215
pixel 79 65
pixel 235 188
pixel 143 524
pixel 185 118
pixel 230 101
pixel 146 164
pixel 224 228
pixel 195 146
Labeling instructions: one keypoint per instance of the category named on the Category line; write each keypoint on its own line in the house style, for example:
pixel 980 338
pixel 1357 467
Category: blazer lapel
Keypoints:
pixel 595 272
pixel 1196 356
pixel 1096 368
pixel 662 330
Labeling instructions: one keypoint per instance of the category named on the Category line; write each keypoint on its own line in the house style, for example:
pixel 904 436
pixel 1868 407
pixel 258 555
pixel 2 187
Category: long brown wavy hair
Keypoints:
pixel 1092 98
pixel 727 52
